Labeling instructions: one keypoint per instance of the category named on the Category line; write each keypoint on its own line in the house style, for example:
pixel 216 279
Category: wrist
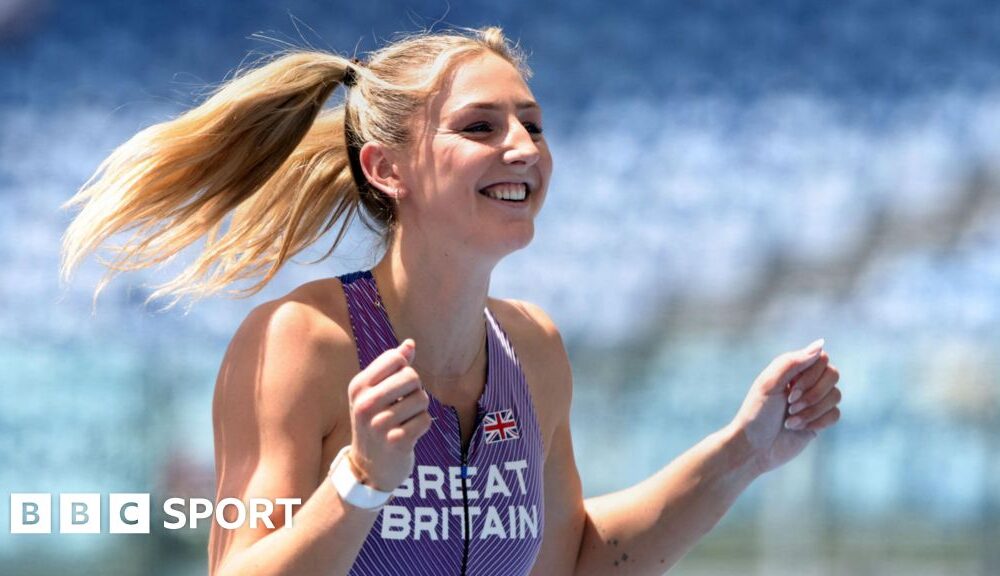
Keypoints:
pixel 358 472
pixel 363 477
pixel 739 454
pixel 350 486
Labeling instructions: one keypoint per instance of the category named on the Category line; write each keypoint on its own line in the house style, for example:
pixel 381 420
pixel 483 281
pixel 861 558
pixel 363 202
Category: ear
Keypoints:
pixel 377 162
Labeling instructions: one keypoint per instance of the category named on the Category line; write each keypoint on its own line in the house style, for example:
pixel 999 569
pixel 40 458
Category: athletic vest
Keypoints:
pixel 494 487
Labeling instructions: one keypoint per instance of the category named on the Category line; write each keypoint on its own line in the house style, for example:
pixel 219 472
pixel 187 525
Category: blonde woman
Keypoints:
pixel 424 424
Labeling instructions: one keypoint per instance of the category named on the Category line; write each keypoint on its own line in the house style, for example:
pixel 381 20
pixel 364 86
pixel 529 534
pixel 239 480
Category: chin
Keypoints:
pixel 512 239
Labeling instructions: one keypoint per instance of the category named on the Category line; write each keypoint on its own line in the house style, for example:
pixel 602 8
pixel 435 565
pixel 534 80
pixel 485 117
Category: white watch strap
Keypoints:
pixel 350 490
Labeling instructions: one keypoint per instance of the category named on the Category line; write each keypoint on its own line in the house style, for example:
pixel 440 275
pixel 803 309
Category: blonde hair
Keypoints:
pixel 261 150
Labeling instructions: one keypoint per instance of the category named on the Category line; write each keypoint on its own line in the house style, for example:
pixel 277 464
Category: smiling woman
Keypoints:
pixel 481 166
pixel 458 459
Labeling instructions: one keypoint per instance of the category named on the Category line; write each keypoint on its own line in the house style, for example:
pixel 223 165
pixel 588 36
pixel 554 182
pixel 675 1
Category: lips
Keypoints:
pixel 507 191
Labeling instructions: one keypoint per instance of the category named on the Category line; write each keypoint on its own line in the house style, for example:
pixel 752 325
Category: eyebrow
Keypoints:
pixel 522 105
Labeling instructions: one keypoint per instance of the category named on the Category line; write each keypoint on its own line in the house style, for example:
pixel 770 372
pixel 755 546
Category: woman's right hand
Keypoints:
pixel 388 415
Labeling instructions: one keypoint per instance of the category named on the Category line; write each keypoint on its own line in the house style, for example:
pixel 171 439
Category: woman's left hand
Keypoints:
pixel 793 398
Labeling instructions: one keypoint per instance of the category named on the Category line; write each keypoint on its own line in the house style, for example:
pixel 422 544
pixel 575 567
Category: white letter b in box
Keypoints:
pixel 31 513
pixel 80 513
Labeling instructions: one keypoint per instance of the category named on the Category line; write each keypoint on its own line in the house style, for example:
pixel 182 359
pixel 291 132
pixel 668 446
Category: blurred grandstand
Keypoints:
pixel 732 181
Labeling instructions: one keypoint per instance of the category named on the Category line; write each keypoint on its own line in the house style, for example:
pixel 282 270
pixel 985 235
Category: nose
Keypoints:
pixel 520 148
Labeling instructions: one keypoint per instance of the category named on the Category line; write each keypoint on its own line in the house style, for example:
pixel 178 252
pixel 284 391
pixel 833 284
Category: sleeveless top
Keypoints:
pixel 495 486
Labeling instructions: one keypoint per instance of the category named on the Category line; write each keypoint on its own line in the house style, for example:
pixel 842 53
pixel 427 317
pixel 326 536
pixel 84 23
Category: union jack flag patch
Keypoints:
pixel 500 426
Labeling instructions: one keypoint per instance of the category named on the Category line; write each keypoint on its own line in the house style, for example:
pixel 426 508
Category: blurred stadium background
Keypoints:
pixel 732 180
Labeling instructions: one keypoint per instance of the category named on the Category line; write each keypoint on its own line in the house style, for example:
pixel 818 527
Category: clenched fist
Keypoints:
pixel 388 415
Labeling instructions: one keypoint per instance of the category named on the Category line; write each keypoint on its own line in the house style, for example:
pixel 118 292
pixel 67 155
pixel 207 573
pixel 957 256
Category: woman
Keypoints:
pixel 424 424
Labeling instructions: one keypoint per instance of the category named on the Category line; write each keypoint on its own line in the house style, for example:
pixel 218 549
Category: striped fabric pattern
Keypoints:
pixel 421 530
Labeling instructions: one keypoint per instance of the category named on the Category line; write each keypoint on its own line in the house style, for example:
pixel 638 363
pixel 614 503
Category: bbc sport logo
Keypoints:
pixel 129 513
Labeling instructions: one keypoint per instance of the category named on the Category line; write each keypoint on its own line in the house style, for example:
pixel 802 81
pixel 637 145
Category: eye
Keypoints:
pixel 485 127
pixel 533 128
pixel 479 127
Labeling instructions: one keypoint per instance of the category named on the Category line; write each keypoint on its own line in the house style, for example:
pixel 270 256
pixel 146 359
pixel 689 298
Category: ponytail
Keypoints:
pixel 259 148
pixel 263 150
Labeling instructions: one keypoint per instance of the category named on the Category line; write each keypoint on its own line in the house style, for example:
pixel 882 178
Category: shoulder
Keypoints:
pixel 534 334
pixel 296 352
pixel 543 357
pixel 307 323
pixel 527 316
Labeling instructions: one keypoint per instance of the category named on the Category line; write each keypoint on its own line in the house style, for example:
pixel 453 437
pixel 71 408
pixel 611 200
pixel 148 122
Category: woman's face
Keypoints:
pixel 477 140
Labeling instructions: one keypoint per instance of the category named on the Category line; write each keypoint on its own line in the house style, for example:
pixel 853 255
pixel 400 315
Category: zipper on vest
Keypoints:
pixel 467 536
pixel 465 503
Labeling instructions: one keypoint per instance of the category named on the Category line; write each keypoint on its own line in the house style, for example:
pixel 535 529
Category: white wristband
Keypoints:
pixel 352 491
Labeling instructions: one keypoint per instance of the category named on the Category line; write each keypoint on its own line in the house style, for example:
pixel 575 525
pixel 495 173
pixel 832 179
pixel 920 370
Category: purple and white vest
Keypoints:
pixel 495 487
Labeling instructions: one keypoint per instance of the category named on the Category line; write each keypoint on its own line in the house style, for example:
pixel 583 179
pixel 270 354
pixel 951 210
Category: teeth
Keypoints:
pixel 507 191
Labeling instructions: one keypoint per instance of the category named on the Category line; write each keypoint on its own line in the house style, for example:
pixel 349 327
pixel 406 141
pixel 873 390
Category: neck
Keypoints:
pixel 437 298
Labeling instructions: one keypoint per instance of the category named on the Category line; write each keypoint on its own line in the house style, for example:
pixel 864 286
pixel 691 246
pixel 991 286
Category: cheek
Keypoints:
pixel 548 162
pixel 447 183
pixel 461 170
pixel 451 158
pixel 545 166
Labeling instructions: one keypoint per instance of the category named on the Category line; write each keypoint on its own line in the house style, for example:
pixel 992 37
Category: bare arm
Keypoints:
pixel 647 528
pixel 269 427
pixel 326 538
pixel 643 529
pixel 279 396
pixel 564 510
